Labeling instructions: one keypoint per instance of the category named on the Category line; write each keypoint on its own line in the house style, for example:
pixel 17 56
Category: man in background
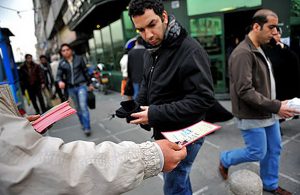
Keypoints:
pixel 74 69
pixel 32 80
pixel 49 80
pixel 254 104
pixel 136 65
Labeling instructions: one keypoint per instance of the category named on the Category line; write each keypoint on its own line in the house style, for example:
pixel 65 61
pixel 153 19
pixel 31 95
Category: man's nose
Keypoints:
pixel 148 34
pixel 275 31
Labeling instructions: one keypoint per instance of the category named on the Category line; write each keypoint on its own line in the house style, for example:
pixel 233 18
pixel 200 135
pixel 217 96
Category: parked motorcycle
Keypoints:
pixel 103 78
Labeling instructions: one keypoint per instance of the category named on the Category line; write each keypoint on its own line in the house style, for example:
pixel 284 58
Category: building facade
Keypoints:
pixel 99 29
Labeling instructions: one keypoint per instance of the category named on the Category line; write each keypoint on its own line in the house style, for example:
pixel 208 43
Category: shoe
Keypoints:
pixel 279 191
pixel 223 171
pixel 87 132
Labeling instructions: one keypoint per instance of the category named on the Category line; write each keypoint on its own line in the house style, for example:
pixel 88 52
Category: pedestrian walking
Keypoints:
pixel 177 87
pixel 136 65
pixel 73 68
pixel 63 95
pixel 49 80
pixel 32 80
pixel 124 71
pixel 252 90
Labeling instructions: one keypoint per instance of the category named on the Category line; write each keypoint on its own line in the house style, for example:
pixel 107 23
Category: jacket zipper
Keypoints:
pixel 150 76
pixel 72 73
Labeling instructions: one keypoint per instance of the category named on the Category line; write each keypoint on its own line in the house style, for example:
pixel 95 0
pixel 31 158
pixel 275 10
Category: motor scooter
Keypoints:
pixel 103 78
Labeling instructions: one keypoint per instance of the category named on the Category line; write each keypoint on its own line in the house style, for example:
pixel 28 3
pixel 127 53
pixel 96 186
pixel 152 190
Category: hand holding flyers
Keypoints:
pixel 190 134
pixel 53 115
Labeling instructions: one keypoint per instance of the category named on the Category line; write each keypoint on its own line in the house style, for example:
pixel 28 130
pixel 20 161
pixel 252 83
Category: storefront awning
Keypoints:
pixel 97 14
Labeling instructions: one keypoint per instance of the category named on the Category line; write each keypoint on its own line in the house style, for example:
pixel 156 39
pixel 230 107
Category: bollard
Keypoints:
pixel 244 182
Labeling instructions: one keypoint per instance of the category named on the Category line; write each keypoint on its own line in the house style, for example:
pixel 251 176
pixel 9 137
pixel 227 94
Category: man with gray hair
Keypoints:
pixel 252 90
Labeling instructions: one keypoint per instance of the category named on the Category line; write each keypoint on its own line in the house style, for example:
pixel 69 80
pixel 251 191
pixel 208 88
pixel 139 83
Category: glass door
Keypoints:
pixel 209 32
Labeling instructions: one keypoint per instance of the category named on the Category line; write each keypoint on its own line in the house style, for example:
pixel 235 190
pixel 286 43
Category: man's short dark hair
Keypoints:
pixel 65 45
pixel 260 17
pixel 27 55
pixel 138 7
pixel 43 56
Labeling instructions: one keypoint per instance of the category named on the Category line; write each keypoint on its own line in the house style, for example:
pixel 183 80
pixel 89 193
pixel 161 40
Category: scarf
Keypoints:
pixel 173 32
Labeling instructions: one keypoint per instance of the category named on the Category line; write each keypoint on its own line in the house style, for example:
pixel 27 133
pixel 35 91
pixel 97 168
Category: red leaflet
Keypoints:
pixel 53 115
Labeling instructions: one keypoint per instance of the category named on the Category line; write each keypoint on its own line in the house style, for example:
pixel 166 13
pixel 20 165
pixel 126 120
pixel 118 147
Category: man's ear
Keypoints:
pixel 256 27
pixel 165 18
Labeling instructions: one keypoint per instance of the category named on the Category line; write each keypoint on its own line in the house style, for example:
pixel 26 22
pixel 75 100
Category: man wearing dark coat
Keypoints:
pixel 32 80
pixel 177 87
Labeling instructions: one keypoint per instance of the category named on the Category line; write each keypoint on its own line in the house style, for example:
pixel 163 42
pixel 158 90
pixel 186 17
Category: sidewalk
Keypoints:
pixel 204 177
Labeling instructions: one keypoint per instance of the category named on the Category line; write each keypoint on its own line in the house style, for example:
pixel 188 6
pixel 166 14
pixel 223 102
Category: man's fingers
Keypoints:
pixel 175 146
pixel 137 121
pixel 33 117
pixel 182 153
pixel 135 115
pixel 144 107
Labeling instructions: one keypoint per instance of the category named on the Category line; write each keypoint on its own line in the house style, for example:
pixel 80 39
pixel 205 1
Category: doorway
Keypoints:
pixel 236 26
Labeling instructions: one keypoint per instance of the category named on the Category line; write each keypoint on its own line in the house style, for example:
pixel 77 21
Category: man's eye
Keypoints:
pixel 273 26
pixel 151 25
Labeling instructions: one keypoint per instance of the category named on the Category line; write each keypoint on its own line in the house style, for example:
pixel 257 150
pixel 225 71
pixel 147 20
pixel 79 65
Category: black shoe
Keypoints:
pixel 87 132
pixel 279 191
pixel 223 171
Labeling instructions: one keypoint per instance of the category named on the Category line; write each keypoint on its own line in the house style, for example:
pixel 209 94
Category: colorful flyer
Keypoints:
pixel 190 134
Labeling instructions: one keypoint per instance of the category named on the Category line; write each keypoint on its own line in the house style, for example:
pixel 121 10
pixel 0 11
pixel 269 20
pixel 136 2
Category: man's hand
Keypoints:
pixel 285 111
pixel 43 86
pixel 61 85
pixel 141 117
pixel 173 154
pixel 33 117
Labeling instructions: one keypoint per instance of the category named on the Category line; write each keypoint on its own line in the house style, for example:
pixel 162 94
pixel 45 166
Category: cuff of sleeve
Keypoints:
pixel 161 156
pixel 151 156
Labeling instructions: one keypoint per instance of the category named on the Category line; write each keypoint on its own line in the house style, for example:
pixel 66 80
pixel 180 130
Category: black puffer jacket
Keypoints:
pixel 75 74
pixel 177 84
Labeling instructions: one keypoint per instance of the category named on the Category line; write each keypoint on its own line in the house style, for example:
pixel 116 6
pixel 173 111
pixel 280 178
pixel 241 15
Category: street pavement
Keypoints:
pixel 204 176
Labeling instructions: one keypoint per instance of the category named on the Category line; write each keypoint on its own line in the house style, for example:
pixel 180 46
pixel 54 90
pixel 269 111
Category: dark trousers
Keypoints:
pixel 36 92
pixel 62 96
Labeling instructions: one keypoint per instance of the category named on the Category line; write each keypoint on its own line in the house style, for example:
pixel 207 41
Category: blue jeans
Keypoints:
pixel 178 180
pixel 136 89
pixel 263 145
pixel 79 97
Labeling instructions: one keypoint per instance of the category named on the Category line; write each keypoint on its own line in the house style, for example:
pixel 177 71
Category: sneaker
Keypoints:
pixel 223 171
pixel 279 191
pixel 87 132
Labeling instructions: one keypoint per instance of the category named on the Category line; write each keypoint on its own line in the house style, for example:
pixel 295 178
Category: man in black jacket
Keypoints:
pixel 177 88
pixel 136 65
pixel 32 80
pixel 73 68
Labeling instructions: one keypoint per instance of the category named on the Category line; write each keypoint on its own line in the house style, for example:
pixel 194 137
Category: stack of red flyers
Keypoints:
pixel 53 115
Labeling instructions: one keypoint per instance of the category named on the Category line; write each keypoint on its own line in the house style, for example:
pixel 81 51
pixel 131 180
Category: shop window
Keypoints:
pixel 118 42
pixel 92 55
pixel 129 29
pixel 98 45
pixel 108 58
pixel 208 32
